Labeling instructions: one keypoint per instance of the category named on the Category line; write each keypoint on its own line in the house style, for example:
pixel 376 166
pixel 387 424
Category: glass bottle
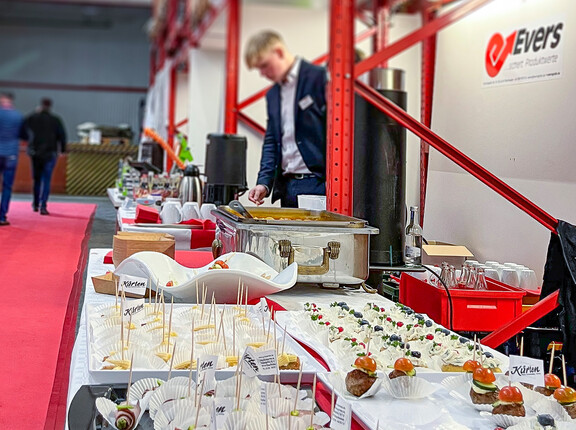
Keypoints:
pixel 481 279
pixel 413 244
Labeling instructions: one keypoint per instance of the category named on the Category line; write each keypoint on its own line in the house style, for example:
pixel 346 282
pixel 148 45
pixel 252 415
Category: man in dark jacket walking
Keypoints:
pixel 47 140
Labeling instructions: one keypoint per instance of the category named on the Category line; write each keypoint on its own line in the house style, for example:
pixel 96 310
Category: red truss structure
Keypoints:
pixel 177 35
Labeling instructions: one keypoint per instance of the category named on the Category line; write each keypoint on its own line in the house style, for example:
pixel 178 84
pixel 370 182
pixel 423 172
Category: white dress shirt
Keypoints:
pixel 292 161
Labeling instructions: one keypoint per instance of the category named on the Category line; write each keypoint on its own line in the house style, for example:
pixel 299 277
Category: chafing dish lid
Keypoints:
pixel 290 217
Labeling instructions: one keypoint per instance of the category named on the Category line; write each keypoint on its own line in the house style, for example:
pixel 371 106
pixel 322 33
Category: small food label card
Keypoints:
pixel 133 307
pixel 222 408
pixel 132 284
pixel 263 307
pixel 259 363
pixel 207 372
pixel 526 369
pixel 342 415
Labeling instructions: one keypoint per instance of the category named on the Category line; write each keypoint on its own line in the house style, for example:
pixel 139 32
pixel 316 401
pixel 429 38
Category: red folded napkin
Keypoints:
pixel 146 214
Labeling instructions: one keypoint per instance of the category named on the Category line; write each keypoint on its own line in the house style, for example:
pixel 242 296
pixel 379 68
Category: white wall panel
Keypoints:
pixel 523 133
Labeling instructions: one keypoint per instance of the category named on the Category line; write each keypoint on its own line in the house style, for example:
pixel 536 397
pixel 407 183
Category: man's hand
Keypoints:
pixel 257 194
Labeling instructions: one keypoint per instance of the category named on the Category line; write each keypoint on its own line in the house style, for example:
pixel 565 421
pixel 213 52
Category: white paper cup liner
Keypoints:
pixel 105 310
pixel 185 414
pixel 238 420
pixel 552 407
pixel 279 407
pixel 294 423
pixel 408 387
pixel 338 381
pixel 107 408
pixel 250 387
pixel 503 420
pixel 143 360
pixel 285 391
pixel 530 397
pixel 138 388
pixel 165 394
pixel 457 382
pixel 460 389
pixel 180 380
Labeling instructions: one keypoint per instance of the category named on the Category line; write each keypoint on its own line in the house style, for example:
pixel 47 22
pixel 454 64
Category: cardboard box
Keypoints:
pixel 106 284
pixel 435 253
pixel 126 243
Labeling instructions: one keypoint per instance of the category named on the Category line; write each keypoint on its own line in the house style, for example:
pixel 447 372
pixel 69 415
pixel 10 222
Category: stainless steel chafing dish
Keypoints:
pixel 330 249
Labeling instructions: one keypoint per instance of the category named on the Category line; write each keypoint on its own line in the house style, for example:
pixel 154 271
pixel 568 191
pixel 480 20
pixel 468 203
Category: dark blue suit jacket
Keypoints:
pixel 310 129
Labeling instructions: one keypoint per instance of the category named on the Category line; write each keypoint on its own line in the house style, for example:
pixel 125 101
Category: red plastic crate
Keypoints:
pixel 473 310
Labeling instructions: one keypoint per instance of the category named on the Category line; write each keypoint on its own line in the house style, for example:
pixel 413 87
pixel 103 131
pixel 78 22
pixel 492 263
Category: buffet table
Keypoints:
pixel 441 407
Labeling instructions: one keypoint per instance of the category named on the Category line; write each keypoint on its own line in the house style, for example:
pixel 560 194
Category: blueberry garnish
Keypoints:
pixel 378 328
pixel 429 323
pixel 364 322
pixel 358 315
pixel 416 354
pixel 463 339
pixel 545 420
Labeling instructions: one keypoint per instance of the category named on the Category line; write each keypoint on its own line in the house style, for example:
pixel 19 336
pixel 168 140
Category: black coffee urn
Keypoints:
pixel 225 168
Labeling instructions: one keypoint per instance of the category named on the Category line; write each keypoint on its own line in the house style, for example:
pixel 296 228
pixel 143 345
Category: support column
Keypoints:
pixel 172 110
pixel 427 93
pixel 232 59
pixel 340 104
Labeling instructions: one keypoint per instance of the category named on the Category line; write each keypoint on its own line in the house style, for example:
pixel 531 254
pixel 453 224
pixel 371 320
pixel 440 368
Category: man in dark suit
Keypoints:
pixel 47 142
pixel 294 151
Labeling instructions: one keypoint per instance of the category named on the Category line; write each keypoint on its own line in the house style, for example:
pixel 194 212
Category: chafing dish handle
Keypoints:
pixel 216 248
pixel 331 252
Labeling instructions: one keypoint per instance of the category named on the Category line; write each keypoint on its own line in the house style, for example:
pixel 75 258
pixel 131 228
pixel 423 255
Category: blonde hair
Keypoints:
pixel 259 44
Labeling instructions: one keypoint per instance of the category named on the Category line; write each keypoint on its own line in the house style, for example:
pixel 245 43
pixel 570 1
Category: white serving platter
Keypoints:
pixel 310 365
pixel 258 278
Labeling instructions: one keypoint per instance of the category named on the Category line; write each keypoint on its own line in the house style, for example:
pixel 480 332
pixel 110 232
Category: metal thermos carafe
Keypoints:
pixel 191 185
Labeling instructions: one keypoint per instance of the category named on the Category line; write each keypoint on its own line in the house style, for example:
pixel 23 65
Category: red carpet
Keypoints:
pixel 41 263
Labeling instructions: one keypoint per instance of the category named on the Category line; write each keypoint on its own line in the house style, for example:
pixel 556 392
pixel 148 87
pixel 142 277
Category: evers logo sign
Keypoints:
pixel 521 41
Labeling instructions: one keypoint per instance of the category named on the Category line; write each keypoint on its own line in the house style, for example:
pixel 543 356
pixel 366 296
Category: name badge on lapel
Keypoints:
pixel 305 102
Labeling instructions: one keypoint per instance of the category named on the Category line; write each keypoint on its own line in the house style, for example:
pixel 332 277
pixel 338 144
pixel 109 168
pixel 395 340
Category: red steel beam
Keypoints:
pixel 365 34
pixel 417 36
pixel 172 111
pixel 181 123
pixel 340 118
pixel 515 326
pixel 380 39
pixel 475 169
pixel 427 92
pixel 232 69
pixel 251 123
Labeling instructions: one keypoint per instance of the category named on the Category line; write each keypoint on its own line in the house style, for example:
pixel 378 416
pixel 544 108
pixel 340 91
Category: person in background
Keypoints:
pixel 293 158
pixel 11 131
pixel 48 139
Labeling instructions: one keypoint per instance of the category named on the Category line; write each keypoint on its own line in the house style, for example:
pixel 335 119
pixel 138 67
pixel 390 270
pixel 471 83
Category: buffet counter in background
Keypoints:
pixel 85 170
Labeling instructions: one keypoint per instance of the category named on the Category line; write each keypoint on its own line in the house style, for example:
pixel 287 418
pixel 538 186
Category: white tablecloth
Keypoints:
pixel 292 299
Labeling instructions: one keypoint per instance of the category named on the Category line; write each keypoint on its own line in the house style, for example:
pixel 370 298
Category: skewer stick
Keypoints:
pixel 129 379
pixel 238 293
pixel 522 346
pixel 313 401
pixel 163 317
pixel 552 357
pixel 191 360
pixel 279 386
pixel 200 395
pixel 378 425
pixel 172 361
pixel 170 325
pixel 268 331
pixel 196 292
pixel 122 328
pixel 474 350
pixel 297 389
pixel 129 330
pixel 149 286
pixel 332 406
pixel 246 302
pixel 241 286
pixel 564 371
pixel 203 302
pixel 215 309
pixel 266 406
pixel 239 391
pixel 116 289
pixel 368 344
